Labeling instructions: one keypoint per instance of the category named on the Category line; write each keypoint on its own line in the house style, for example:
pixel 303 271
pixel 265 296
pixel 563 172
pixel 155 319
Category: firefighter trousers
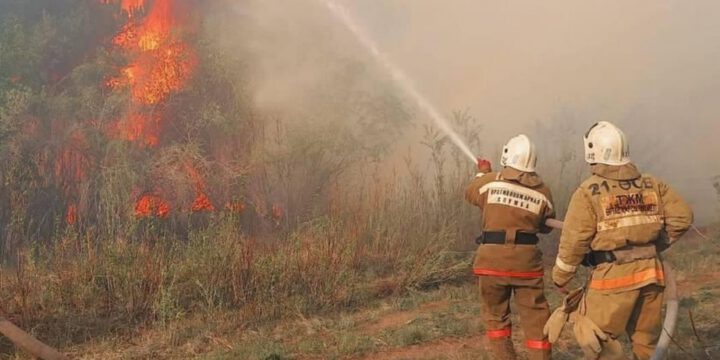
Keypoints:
pixel 636 312
pixel 532 307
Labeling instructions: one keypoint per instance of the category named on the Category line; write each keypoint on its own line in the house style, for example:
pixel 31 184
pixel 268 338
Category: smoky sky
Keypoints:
pixel 650 66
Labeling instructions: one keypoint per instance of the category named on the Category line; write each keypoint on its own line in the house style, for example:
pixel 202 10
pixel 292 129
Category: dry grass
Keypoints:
pixel 384 278
pixel 388 241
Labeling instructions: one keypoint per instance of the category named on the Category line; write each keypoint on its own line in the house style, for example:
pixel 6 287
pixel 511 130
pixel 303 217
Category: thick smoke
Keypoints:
pixel 652 67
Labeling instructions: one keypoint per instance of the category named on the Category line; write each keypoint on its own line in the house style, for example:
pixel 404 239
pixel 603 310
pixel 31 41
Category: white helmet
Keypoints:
pixel 519 154
pixel 606 144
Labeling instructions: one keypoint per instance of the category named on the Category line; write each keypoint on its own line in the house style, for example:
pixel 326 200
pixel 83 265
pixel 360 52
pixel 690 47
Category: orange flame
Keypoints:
pixel 151 204
pixel 71 214
pixel 131 6
pixel 161 64
pixel 202 201
pixel 139 128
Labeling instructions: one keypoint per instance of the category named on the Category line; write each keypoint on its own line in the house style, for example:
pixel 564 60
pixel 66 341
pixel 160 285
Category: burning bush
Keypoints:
pixel 148 184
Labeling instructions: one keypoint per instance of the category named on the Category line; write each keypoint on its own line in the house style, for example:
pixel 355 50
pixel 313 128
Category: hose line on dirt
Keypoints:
pixel 28 343
pixel 671 312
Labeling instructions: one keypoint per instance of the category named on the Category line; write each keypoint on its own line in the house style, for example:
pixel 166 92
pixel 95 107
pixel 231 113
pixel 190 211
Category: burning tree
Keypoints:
pixel 139 118
pixel 115 137
pixel 136 166
pixel 160 65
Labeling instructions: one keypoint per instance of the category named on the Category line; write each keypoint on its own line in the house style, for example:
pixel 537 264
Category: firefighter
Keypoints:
pixel 515 204
pixel 617 223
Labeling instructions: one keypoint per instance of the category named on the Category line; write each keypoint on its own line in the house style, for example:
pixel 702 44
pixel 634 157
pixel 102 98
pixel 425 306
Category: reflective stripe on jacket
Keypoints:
pixel 615 208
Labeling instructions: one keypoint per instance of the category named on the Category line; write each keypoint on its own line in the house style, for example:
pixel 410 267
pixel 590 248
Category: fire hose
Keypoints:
pixel 28 343
pixel 671 306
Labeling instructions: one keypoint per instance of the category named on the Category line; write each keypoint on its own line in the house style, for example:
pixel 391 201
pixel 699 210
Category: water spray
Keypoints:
pixel 404 82
pixel 398 75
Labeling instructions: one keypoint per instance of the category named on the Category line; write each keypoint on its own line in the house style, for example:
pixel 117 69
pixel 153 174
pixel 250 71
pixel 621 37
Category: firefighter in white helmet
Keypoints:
pixel 515 204
pixel 617 223
pixel 519 154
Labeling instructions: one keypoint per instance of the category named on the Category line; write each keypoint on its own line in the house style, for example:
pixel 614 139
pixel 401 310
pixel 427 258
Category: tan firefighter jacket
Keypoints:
pixel 618 209
pixel 513 202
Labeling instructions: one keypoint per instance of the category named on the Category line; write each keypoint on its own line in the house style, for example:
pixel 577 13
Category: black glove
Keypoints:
pixel 662 243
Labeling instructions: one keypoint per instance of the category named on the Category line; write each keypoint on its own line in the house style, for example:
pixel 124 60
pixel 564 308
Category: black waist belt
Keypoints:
pixel 595 258
pixel 499 238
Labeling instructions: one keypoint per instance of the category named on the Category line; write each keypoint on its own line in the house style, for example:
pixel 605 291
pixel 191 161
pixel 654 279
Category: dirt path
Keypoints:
pixel 446 348
pixel 402 318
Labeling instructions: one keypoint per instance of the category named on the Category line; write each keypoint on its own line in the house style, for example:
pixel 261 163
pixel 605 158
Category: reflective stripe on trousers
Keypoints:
pixel 496 334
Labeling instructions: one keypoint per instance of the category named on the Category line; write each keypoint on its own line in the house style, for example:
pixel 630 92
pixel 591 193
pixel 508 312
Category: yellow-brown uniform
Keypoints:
pixel 617 218
pixel 515 206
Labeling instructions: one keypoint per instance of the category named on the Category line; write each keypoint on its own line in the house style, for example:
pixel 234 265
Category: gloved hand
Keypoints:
pixel 484 166
pixel 555 324
pixel 613 350
pixel 561 278
pixel 588 335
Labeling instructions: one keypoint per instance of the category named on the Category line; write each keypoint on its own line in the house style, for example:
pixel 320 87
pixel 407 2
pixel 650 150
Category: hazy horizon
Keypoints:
pixel 652 67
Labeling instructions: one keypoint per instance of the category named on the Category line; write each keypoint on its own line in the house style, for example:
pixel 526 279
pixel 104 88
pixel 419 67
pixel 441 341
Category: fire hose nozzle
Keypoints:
pixel 484 165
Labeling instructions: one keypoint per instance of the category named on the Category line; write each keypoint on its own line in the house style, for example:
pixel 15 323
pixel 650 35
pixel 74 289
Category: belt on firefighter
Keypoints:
pixel 499 238
pixel 595 258
pixel 621 255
